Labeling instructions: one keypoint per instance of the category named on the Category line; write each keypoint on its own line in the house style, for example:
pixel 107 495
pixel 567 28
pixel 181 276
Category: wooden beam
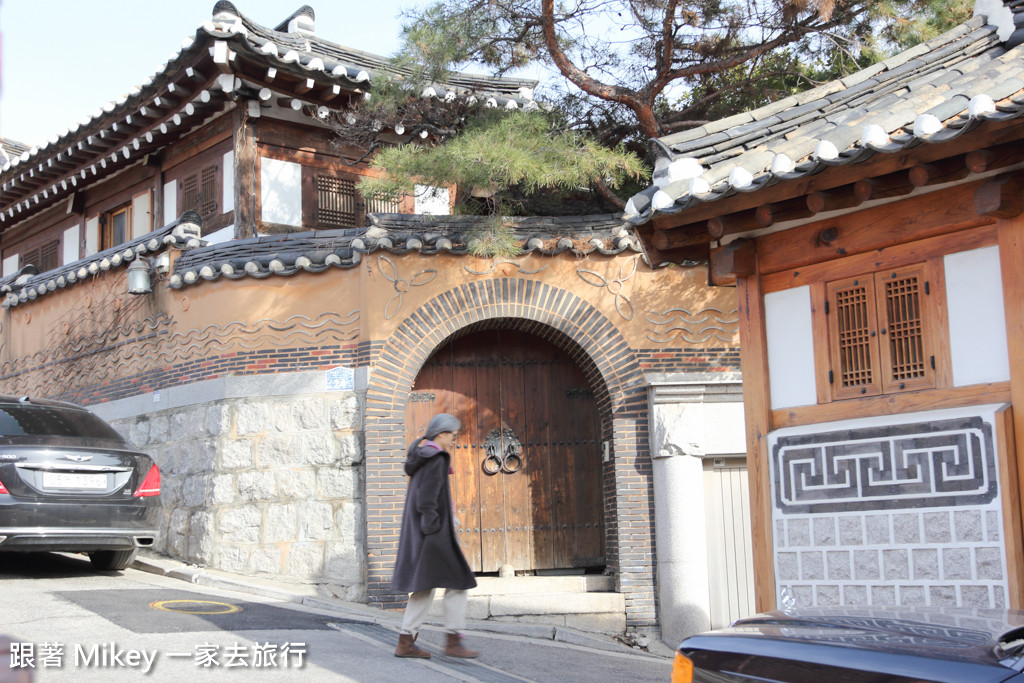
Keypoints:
pixel 833 200
pixel 1001 197
pixel 941 171
pixel 993 158
pixel 757 416
pixel 1011 262
pixel 304 86
pixel 665 240
pixel 891 404
pixel 737 259
pixel 1010 486
pixel 891 185
pixel 918 217
pixel 733 223
pixel 781 212
pixel 245 173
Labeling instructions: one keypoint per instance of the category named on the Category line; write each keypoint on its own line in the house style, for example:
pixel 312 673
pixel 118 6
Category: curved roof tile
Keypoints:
pixel 932 93
pixel 317 251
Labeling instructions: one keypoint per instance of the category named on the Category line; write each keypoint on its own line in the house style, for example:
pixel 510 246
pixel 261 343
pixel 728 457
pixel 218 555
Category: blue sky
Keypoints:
pixel 64 59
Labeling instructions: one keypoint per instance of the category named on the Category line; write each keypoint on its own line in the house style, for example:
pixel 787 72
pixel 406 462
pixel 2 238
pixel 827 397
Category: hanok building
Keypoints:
pixel 195 263
pixel 873 227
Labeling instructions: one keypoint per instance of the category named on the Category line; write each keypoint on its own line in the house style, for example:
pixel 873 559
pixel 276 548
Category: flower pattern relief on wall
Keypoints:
pixel 614 286
pixel 402 285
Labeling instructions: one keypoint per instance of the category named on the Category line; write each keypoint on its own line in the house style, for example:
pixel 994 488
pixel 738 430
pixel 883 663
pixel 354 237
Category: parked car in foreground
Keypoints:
pixel 859 645
pixel 69 482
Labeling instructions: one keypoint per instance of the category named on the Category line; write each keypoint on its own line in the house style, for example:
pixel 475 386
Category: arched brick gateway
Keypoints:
pixel 613 372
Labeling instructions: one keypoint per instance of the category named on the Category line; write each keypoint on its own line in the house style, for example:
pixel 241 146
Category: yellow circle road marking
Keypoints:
pixel 169 606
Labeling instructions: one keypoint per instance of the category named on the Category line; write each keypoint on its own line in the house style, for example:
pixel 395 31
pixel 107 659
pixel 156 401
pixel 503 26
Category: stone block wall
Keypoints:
pixel 263 485
pixel 901 510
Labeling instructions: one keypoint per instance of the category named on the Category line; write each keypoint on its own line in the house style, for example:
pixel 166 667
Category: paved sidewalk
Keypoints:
pixel 305 594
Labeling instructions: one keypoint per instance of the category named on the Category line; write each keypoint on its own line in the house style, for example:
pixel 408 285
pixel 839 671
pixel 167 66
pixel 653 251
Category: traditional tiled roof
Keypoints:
pixel 930 94
pixel 230 57
pixel 11 149
pixel 314 54
pixel 317 251
pixel 28 284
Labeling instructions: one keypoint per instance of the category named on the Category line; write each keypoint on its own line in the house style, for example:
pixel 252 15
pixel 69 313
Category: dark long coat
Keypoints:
pixel 428 553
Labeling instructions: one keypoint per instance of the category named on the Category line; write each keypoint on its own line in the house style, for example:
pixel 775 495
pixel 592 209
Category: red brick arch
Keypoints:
pixel 612 370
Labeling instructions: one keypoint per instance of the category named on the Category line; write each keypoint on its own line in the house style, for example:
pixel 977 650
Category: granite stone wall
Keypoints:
pixel 270 485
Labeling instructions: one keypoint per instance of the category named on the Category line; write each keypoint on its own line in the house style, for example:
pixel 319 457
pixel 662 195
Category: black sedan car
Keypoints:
pixel 859 645
pixel 69 482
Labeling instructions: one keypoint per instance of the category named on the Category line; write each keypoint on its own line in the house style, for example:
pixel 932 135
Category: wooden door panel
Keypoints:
pixel 563 485
pixel 548 514
pixel 537 463
pixel 465 496
pixel 491 489
pixel 516 484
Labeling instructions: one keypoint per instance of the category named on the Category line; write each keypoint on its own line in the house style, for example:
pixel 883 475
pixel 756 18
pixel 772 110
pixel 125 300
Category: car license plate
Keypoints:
pixel 72 480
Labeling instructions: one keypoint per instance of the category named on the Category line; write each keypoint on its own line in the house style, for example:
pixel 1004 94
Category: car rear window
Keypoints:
pixel 36 420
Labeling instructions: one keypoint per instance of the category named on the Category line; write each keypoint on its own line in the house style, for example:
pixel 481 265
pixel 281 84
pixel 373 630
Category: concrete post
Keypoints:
pixel 692 416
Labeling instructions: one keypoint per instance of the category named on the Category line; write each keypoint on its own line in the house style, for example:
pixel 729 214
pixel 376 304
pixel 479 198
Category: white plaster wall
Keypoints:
pixel 223 235
pixel 10 265
pixel 92 236
pixel 228 184
pixel 790 343
pixel 977 319
pixel 170 201
pixel 280 192
pixel 432 200
pixel 71 244
pixel 142 215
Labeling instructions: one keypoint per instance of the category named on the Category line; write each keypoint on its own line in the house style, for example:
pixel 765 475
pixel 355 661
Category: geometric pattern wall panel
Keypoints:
pixel 894 510
pixel 922 464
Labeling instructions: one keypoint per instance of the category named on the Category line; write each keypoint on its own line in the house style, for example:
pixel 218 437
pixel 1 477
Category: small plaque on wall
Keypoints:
pixel 341 379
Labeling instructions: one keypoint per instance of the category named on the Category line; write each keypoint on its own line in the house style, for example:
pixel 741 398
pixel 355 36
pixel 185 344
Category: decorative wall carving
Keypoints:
pixel 693 328
pixel 390 272
pixel 615 286
pixel 138 346
pixel 929 464
pixel 503 263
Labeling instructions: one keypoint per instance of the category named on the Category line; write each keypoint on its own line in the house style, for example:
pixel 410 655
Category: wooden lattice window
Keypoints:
pixel 43 257
pixel 878 338
pixel 200 192
pixel 378 205
pixel 337 204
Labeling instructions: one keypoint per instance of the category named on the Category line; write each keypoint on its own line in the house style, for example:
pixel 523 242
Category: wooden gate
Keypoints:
pixel 535 503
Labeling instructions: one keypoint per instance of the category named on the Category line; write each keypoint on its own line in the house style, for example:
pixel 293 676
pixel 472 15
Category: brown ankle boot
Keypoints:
pixel 455 648
pixel 407 647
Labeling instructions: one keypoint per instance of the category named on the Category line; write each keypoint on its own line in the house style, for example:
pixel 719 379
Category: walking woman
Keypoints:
pixel 429 556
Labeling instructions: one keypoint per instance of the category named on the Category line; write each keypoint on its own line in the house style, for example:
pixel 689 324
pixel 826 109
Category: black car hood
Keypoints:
pixel 950 633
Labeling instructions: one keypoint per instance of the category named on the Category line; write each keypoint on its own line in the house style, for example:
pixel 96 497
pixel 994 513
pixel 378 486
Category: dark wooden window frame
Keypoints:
pixel 45 256
pixel 882 329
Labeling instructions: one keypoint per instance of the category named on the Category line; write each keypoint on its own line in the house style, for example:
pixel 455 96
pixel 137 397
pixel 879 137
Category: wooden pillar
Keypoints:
pixel 757 412
pixel 1011 256
pixel 245 173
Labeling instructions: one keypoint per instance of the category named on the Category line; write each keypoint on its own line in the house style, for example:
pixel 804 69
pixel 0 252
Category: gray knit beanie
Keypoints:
pixel 440 423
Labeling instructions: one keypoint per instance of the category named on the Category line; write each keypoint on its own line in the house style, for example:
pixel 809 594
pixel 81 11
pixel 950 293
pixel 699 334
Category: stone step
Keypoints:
pixel 539 585
pixel 596 612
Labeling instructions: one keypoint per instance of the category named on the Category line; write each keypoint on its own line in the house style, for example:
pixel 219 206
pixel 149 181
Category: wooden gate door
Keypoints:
pixel 536 502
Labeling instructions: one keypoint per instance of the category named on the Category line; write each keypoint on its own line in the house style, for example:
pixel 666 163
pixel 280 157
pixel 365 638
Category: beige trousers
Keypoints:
pixel 419 605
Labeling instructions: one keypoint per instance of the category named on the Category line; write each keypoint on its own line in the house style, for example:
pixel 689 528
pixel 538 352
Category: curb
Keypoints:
pixel 307 596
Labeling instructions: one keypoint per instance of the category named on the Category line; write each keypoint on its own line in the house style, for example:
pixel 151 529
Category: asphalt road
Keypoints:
pixel 76 624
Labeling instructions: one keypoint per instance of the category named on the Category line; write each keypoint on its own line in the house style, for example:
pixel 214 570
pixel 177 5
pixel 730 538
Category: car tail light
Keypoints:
pixel 3 489
pixel 151 484
pixel 682 669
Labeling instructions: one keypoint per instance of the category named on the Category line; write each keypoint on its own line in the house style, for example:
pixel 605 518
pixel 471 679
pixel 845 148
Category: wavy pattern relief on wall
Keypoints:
pixel 137 347
pixel 697 327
